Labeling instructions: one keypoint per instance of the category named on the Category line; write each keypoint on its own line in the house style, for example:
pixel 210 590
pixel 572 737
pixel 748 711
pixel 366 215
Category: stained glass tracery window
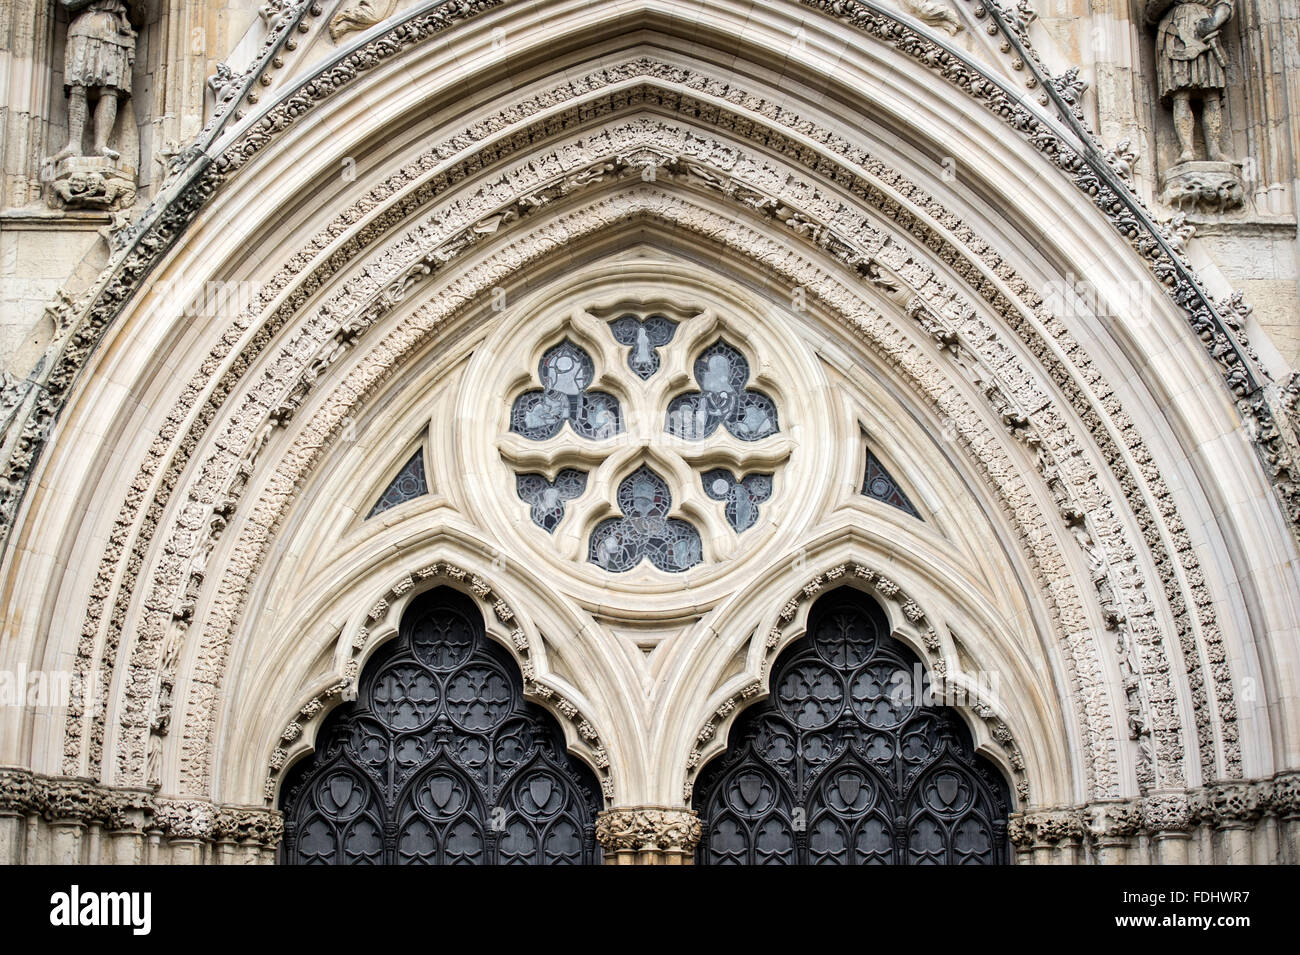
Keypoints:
pixel 723 400
pixel 848 762
pixel 566 373
pixel 878 483
pixel 409 484
pixel 440 760
pixel 645 337
pixel 546 499
pixel 645 531
pixel 743 497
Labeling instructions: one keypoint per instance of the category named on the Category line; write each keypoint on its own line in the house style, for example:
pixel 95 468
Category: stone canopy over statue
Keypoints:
pixel 98 64
pixel 1191 68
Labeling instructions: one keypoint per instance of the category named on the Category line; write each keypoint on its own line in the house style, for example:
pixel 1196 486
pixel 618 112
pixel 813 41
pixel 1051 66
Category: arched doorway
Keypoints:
pixel 440 760
pixel 845 763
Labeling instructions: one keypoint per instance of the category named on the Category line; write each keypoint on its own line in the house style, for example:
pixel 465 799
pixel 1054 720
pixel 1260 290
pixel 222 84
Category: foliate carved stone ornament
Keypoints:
pixel 1166 812
pixel 1046 827
pixel 643 829
pixel 59 799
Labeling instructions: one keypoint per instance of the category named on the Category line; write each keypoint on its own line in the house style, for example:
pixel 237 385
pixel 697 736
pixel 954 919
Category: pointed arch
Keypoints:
pixel 440 760
pixel 873 770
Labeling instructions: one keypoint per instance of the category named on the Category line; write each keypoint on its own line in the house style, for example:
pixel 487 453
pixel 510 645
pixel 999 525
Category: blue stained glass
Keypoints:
pixel 722 373
pixel 566 372
pixel 742 497
pixel 645 531
pixel 547 498
pixel 410 483
pixel 878 483
pixel 645 338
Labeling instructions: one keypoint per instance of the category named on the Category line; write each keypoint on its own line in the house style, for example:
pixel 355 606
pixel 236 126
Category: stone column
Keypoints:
pixel 65 841
pixel 1236 807
pixel 1286 806
pixel 1111 827
pixel 648 835
pixel 11 837
pixel 16 789
pixel 1167 817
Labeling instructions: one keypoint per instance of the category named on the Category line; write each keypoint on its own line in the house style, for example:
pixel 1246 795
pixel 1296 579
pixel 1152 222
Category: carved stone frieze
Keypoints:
pixel 60 799
pixel 648 828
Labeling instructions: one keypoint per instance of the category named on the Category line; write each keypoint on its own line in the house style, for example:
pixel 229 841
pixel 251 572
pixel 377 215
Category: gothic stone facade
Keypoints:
pixel 643 333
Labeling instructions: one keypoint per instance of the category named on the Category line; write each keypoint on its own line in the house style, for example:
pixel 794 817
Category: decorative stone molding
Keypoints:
pixel 61 801
pixel 645 202
pixel 1154 667
pixel 1166 812
pixel 168 220
pixel 1018 421
pixel 648 835
pixel 781 634
pixel 1116 825
pixel 1205 738
pixel 314 711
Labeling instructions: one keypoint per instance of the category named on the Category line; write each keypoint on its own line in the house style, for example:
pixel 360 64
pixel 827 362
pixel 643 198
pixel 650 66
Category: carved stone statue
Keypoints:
pixel 1191 67
pixel 99 58
pixel 358 15
pixel 97 68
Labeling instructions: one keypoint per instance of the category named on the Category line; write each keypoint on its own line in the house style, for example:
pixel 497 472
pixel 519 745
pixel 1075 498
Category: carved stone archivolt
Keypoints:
pixel 1187 553
pixel 1062 456
pixel 221 620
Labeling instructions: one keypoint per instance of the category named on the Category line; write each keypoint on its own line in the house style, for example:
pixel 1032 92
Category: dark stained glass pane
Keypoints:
pixel 880 484
pixel 440 760
pixel 410 483
pixel 848 762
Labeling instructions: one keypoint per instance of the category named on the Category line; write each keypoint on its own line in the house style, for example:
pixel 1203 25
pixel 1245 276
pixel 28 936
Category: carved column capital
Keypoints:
pixel 1237 804
pixel 1166 812
pixel 1113 822
pixel 249 825
pixel 1045 827
pixel 648 835
pixel 1285 797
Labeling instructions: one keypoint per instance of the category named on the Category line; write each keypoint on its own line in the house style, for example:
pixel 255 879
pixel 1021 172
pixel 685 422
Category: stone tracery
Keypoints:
pixel 1061 467
pixel 1139 724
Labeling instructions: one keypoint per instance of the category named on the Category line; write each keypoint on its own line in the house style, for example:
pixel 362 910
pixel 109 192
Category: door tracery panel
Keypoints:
pixel 845 763
pixel 440 760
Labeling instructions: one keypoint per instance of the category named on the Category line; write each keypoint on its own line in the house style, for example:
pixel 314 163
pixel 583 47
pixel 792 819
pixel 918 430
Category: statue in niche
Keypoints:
pixel 1191 68
pixel 98 63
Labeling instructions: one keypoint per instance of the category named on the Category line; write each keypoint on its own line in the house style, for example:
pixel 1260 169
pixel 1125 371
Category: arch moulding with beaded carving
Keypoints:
pixel 1106 503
